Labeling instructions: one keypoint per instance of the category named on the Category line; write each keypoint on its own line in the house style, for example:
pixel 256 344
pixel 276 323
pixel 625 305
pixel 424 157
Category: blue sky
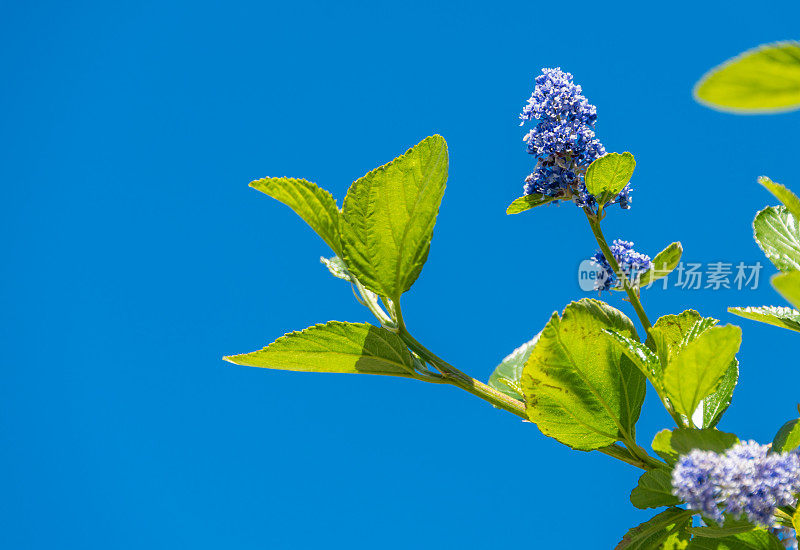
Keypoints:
pixel 137 256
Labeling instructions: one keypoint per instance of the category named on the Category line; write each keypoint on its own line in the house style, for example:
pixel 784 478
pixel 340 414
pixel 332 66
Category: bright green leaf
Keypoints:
pixel 651 534
pixel 715 405
pixel 671 444
pixel 671 331
pixel 698 368
pixel 316 206
pixel 579 387
pixel 506 376
pixel 765 79
pixel 641 356
pixel 783 194
pixel 526 202
pixel 334 347
pixel 777 232
pixel 696 330
pixel 788 284
pixel 388 218
pixel 608 175
pixel 788 437
pixel 654 490
pixel 663 264
pixel 779 316
pixel 756 539
pixel 796 522
pixel 670 335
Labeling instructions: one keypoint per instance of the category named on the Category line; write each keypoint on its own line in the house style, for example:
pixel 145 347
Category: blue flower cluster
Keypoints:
pixel 747 480
pixel 563 140
pixel 632 263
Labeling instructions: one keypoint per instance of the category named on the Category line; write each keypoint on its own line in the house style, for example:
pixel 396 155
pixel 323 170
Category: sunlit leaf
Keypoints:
pixel 507 375
pixel 765 79
pixel 313 204
pixel 388 218
pixel 526 202
pixel 334 347
pixel 777 232
pixel 579 387
pixel 699 367
pixel 779 316
pixel 663 264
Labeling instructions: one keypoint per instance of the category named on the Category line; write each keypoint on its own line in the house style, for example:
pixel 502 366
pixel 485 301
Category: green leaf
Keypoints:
pixel 699 366
pixel 651 534
pixel 783 194
pixel 731 527
pixel 671 331
pixel 608 175
pixel 715 405
pixel 526 202
pixel 788 284
pixel 641 356
pixel 654 490
pixel 788 437
pixel 796 523
pixel 316 206
pixel 669 336
pixel 777 232
pixel 756 539
pixel 337 268
pixel 388 218
pixel 663 264
pixel 671 444
pixel 506 376
pixel 712 407
pixel 696 330
pixel 334 347
pixel 779 316
pixel 765 79
pixel 579 387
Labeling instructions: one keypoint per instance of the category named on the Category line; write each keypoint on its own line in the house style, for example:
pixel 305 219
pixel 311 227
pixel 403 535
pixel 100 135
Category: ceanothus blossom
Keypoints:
pixel 747 480
pixel 563 140
pixel 632 263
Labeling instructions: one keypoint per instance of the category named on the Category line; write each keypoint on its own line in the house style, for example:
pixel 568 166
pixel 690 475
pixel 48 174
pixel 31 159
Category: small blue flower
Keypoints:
pixel 563 140
pixel 694 482
pixel 632 263
pixel 747 480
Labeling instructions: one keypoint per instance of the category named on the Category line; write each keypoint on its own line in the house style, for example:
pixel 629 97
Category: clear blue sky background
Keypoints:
pixel 136 256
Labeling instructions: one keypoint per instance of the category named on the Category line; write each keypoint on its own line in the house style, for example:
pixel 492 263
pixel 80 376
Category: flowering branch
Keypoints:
pixel 582 379
pixel 630 290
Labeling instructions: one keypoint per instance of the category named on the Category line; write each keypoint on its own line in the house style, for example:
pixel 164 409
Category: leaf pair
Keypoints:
pixel 777 231
pixel 385 227
pixel 381 238
pixel 692 364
